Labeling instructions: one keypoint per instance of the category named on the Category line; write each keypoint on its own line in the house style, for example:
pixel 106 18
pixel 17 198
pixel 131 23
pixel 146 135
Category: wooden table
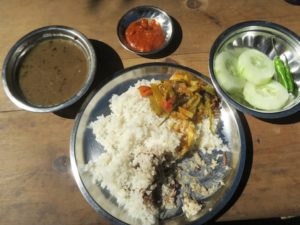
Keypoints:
pixel 36 184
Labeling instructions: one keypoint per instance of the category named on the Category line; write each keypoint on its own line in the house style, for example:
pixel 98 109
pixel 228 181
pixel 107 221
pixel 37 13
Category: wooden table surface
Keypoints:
pixel 36 184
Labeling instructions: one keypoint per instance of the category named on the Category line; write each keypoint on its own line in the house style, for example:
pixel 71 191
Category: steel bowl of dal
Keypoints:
pixel 49 69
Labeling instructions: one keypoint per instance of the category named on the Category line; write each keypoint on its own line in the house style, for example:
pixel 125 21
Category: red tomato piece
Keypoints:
pixel 145 91
pixel 168 104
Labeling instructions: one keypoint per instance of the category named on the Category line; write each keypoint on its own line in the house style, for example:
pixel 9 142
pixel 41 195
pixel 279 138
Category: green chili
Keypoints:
pixel 280 71
pixel 289 77
pixel 283 72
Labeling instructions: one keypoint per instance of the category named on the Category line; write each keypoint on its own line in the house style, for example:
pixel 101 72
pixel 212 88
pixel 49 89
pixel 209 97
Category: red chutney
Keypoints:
pixel 145 35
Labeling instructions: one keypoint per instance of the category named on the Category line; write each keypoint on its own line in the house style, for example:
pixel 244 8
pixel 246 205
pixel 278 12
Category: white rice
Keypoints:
pixel 134 146
pixel 131 138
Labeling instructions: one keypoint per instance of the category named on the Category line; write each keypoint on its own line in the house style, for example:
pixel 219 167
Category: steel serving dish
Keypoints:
pixel 258 35
pixel 26 43
pixel 148 12
pixel 83 146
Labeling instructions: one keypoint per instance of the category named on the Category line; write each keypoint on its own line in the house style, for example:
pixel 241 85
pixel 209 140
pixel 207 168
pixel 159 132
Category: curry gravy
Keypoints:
pixel 52 72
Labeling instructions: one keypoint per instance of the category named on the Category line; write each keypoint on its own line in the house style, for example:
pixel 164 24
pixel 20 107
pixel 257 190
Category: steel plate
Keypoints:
pixel 84 148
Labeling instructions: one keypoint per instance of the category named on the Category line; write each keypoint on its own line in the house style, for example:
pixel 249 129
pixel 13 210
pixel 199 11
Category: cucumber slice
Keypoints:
pixel 255 67
pixel 226 72
pixel 270 96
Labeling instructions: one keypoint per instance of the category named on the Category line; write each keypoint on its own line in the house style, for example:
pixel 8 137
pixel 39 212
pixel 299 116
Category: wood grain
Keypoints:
pixel 36 185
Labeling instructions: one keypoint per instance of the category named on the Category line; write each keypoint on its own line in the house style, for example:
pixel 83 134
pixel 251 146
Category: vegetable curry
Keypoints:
pixel 185 98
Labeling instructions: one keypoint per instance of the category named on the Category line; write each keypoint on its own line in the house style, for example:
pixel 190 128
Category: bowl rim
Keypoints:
pixel 227 34
pixel 88 82
pixel 166 43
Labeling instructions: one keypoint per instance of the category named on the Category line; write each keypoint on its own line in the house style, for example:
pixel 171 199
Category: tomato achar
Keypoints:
pixel 145 35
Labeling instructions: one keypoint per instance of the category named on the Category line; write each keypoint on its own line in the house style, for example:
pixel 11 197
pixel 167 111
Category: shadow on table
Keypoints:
pixel 294 118
pixel 173 45
pixel 246 172
pixel 108 63
pixel 268 221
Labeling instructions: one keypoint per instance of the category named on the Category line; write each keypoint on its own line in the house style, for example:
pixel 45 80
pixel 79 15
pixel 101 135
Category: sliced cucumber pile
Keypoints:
pixel 270 96
pixel 249 73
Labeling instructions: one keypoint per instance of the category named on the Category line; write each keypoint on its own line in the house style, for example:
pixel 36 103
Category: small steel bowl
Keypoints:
pixel 26 43
pixel 258 35
pixel 148 12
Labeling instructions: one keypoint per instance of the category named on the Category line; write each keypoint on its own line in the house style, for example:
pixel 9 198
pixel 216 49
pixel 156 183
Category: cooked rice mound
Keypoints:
pixel 135 145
